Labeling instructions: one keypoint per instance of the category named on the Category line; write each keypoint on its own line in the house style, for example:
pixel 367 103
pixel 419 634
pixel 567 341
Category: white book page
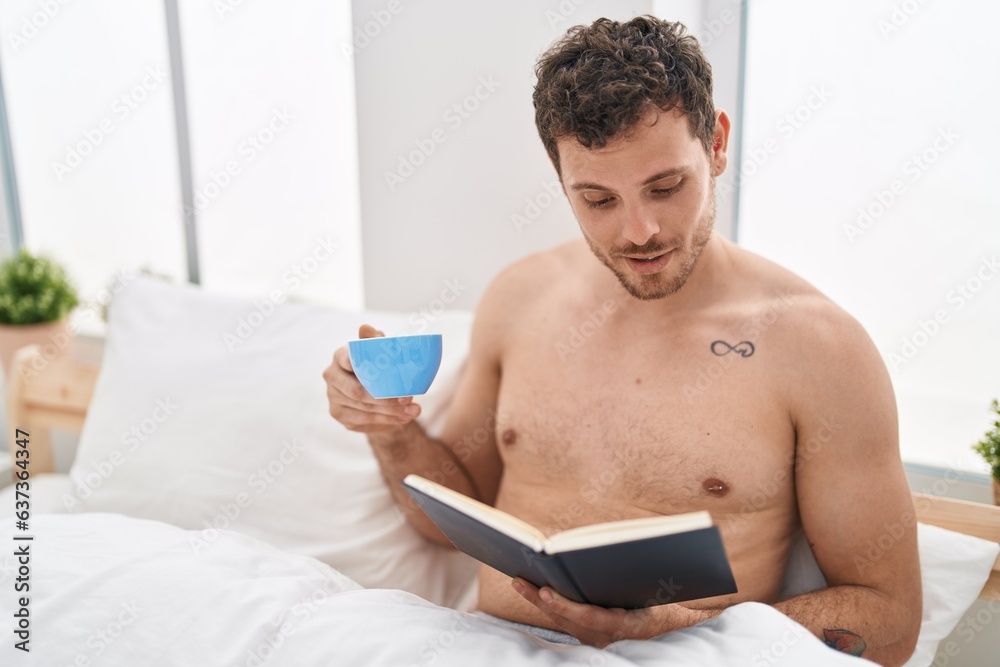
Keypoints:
pixel 625 531
pixel 499 520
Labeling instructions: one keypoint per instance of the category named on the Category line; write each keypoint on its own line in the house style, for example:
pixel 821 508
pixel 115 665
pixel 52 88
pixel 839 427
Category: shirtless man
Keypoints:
pixel 709 378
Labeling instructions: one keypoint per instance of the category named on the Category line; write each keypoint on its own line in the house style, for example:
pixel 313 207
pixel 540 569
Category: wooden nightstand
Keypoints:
pixel 43 394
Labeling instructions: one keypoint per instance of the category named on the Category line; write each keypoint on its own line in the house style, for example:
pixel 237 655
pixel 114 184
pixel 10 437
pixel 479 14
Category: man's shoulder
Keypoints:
pixel 512 297
pixel 526 280
pixel 546 262
pixel 804 310
pixel 811 329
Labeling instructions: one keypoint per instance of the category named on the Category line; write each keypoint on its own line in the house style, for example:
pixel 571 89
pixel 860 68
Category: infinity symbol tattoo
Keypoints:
pixel 744 348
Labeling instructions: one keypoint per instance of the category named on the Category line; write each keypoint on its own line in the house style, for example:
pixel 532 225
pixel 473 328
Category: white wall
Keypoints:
pixel 717 25
pixel 451 226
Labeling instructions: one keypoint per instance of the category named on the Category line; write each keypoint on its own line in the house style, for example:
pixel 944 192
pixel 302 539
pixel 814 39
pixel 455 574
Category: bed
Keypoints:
pixel 214 514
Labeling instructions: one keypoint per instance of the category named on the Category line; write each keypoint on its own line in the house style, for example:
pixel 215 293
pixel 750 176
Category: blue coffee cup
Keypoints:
pixel 395 366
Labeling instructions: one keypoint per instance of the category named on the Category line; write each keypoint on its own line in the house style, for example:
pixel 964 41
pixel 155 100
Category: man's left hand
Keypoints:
pixel 597 626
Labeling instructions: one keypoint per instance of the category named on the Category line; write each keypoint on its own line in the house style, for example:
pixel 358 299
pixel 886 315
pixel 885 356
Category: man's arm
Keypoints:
pixel 854 502
pixel 465 458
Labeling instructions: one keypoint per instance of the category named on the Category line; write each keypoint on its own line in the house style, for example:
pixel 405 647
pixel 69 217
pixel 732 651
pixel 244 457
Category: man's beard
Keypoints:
pixel 652 287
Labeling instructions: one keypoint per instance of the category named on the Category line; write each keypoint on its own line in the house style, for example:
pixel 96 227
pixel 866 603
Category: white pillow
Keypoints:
pixel 210 412
pixel 953 567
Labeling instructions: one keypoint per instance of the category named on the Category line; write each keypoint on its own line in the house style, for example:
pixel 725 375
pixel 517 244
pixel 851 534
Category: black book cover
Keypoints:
pixel 634 574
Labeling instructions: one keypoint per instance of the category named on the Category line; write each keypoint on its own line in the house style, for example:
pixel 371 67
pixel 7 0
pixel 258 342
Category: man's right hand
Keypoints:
pixel 353 406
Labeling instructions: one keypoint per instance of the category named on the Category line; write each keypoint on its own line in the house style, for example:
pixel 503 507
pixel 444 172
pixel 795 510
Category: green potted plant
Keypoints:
pixel 36 298
pixel 989 449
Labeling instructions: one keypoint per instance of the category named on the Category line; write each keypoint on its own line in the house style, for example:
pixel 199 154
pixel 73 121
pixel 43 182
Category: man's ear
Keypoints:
pixel 720 143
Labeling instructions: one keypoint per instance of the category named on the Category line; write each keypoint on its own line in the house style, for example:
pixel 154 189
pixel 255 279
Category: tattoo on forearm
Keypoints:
pixel 844 641
pixel 744 348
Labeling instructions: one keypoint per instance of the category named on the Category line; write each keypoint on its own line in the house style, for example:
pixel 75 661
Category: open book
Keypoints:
pixel 629 564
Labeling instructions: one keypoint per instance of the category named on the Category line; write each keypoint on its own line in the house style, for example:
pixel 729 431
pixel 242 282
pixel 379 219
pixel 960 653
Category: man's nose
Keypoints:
pixel 640 225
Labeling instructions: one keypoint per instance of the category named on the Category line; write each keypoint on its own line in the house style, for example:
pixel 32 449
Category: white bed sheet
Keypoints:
pixel 954 568
pixel 112 590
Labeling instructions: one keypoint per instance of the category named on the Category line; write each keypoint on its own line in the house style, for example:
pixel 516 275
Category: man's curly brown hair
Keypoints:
pixel 597 81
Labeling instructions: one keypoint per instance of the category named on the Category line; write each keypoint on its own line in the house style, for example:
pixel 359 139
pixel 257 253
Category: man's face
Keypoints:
pixel 650 194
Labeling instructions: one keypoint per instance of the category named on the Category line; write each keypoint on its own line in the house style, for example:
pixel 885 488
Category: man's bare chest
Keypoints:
pixel 659 422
